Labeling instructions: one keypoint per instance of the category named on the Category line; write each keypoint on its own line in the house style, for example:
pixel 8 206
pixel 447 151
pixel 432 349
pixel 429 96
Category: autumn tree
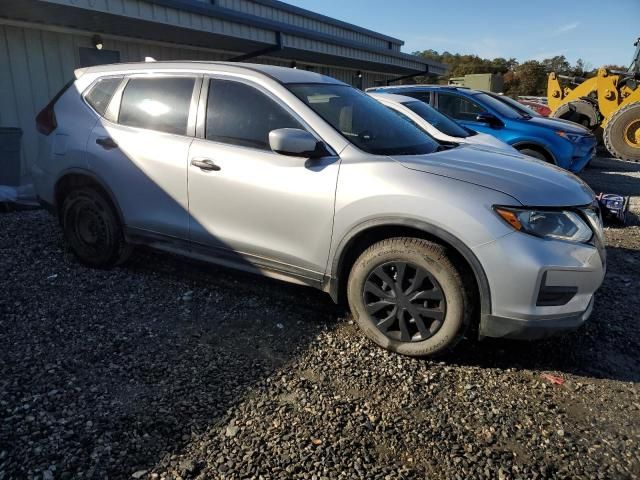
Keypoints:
pixel 528 78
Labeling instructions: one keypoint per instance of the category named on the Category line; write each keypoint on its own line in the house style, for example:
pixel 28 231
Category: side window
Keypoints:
pixel 101 92
pixel 239 114
pixel 157 103
pixel 422 96
pixel 458 107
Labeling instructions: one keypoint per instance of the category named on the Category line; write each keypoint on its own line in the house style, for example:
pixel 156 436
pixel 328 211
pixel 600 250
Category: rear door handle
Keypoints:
pixel 205 164
pixel 107 143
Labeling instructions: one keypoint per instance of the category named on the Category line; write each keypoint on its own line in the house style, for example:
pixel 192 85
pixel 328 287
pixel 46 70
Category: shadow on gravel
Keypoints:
pixel 607 346
pixel 109 372
pixel 613 176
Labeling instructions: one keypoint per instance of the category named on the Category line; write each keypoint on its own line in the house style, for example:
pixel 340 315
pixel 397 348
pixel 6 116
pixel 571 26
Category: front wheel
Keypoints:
pixel 622 133
pixel 408 297
pixel 92 230
pixel 534 153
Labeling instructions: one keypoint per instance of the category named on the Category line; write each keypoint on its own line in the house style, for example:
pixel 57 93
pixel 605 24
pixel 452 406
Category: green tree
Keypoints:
pixel 532 78
pixel 527 78
pixel 558 64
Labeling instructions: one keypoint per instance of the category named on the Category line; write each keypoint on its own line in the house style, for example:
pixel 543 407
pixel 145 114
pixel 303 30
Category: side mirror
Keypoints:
pixel 296 143
pixel 490 119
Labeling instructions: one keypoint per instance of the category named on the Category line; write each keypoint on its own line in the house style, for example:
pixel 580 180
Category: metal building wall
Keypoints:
pixel 172 16
pixel 37 61
pixel 146 10
pixel 260 10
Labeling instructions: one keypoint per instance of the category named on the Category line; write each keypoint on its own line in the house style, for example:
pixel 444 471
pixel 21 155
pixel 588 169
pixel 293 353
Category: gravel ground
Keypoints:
pixel 166 368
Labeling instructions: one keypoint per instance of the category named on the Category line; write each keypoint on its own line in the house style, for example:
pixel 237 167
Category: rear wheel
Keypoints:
pixel 622 133
pixel 408 297
pixel 92 230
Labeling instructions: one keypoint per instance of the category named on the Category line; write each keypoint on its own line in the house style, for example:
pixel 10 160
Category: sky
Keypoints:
pixel 600 32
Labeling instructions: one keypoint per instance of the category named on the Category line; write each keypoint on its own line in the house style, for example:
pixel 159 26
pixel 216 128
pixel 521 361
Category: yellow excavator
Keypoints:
pixel 608 104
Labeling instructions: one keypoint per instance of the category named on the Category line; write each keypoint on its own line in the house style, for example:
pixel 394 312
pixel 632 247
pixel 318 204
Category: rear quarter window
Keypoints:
pixel 100 93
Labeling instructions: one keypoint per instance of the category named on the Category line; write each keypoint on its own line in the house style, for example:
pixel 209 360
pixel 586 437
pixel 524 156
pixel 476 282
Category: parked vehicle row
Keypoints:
pixel 540 108
pixel 298 176
pixel 556 141
pixel 436 124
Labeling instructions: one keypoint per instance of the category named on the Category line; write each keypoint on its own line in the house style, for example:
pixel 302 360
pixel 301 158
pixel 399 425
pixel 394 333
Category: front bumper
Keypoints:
pixel 583 151
pixel 534 328
pixel 518 266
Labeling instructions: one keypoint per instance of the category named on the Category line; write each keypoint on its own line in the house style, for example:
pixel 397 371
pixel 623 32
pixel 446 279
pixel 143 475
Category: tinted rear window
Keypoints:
pixel 101 92
pixel 160 104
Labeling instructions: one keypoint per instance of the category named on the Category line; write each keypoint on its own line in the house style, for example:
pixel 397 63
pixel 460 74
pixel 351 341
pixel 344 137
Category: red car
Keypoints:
pixel 539 108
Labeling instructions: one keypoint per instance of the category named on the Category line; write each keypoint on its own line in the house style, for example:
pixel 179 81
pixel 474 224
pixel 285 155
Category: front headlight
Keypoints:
pixel 555 224
pixel 572 137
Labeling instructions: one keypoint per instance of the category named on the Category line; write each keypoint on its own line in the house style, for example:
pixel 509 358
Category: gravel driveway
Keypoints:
pixel 166 368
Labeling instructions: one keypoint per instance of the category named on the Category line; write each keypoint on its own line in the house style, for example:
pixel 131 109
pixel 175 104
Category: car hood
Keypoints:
pixel 558 124
pixel 485 140
pixel 529 181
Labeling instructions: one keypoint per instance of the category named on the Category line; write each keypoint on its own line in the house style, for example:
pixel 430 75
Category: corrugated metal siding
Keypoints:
pixel 172 16
pixel 167 15
pixel 322 47
pixel 257 9
pixel 37 63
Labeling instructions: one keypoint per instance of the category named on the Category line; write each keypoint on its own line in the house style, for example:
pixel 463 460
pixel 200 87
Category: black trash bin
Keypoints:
pixel 10 156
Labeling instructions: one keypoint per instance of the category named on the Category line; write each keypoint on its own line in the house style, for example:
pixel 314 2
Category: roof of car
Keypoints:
pixel 421 86
pixel 281 74
pixel 393 97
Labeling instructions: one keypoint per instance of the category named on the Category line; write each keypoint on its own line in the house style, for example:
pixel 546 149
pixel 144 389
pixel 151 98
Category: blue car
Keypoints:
pixel 561 142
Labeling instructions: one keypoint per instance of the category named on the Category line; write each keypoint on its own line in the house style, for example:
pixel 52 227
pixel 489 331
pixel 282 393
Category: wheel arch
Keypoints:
pixel 533 145
pixel 78 177
pixel 365 234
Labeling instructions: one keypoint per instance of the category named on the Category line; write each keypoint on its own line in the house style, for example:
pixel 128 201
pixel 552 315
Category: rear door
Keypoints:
pixel 139 148
pixel 253 205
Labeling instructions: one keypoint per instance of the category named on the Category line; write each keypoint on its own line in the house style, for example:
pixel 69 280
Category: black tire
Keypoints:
pixel 535 154
pixel 620 135
pixel 92 230
pixel 442 279
pixel 583 112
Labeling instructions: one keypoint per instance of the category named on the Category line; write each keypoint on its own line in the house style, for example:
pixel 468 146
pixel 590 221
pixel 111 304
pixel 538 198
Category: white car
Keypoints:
pixel 436 124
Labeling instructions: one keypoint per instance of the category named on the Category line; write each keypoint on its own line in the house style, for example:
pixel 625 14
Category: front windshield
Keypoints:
pixel 499 106
pixel 363 121
pixel 518 106
pixel 439 120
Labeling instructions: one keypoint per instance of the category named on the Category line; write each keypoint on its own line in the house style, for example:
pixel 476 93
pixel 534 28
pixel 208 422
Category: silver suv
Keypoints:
pixel 298 176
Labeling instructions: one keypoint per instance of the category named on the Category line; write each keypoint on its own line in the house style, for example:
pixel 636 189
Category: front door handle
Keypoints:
pixel 205 164
pixel 107 143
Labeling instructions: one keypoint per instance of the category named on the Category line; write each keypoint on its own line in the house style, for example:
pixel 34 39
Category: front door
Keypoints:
pixel 464 111
pixel 252 204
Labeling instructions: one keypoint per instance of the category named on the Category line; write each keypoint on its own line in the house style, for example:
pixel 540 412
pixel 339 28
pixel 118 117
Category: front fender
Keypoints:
pixel 334 282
